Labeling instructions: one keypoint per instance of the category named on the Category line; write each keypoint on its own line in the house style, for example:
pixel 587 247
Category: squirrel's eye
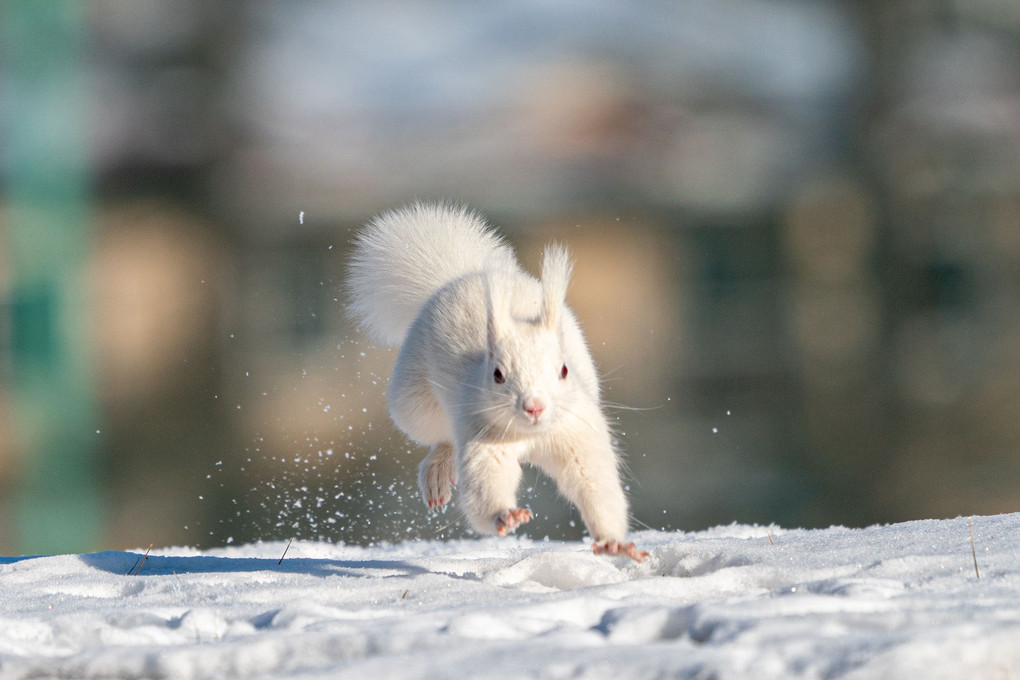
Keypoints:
pixel 497 376
pixel 563 372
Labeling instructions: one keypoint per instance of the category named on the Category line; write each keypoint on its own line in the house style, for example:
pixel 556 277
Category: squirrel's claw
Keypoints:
pixel 617 548
pixel 510 519
pixel 437 504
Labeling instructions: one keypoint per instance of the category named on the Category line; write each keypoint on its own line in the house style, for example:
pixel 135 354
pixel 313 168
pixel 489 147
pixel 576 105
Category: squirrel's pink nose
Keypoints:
pixel 534 406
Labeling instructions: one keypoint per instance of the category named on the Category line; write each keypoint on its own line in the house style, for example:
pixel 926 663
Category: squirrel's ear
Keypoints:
pixel 556 268
pixel 491 316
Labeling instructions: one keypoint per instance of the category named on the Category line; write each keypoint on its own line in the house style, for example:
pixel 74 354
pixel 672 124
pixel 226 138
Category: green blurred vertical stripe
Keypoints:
pixel 56 506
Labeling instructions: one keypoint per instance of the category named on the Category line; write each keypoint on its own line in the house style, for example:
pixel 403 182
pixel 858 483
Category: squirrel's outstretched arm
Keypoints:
pixel 489 475
pixel 585 468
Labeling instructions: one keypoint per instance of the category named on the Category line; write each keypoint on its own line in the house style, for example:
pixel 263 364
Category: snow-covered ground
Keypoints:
pixel 899 601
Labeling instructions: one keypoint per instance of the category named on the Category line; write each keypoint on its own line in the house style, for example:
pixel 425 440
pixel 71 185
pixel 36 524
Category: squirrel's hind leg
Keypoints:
pixel 436 474
pixel 413 404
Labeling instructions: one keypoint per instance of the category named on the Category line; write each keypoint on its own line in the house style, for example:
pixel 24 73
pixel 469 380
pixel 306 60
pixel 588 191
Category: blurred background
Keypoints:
pixel 796 225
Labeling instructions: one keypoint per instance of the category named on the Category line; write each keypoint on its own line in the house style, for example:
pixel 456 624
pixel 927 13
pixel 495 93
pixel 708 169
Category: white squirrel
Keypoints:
pixel 493 369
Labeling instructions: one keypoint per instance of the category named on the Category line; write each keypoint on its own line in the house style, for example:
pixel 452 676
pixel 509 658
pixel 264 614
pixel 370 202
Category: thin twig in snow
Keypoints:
pixel 145 557
pixel 285 551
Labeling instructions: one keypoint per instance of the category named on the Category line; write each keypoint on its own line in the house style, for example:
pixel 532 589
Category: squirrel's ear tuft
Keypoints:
pixel 556 268
pixel 494 309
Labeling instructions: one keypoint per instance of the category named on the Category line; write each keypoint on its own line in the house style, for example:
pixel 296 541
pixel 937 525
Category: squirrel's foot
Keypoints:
pixel 437 475
pixel 508 520
pixel 437 494
pixel 618 548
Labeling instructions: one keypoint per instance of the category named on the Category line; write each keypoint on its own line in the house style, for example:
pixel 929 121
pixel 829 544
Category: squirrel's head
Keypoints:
pixel 527 368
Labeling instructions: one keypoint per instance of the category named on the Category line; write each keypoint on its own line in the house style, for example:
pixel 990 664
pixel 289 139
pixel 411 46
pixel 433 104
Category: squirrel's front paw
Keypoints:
pixel 508 520
pixel 436 476
pixel 437 501
pixel 617 548
pixel 436 491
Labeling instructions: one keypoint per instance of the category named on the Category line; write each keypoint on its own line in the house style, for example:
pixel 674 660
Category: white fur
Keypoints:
pixel 437 282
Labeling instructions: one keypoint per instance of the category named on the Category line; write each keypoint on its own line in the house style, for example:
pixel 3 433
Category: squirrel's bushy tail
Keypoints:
pixel 402 257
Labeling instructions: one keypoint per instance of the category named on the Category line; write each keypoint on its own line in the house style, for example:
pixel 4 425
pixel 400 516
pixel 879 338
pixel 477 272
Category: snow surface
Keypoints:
pixel 898 601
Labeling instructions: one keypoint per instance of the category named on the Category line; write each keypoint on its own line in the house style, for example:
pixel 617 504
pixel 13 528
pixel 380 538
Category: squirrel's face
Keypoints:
pixel 527 374
pixel 528 381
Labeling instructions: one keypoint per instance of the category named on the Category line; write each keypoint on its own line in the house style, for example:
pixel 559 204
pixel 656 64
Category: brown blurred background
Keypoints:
pixel 796 225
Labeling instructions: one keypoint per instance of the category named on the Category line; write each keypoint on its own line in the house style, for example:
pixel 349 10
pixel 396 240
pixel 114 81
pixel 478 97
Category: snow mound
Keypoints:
pixel 741 601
